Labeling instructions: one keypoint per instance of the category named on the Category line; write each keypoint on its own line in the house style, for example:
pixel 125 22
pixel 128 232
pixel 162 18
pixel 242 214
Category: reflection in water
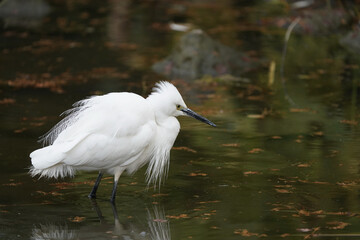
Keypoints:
pixel 23 13
pixel 53 231
pixel 157 227
pixel 118 24
pixel 270 168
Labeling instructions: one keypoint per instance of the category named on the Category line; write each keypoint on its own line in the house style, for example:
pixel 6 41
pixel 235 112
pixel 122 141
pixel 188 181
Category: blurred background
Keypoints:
pixel 280 78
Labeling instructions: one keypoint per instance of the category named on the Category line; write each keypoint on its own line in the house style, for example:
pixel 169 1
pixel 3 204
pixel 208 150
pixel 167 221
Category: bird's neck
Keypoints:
pixel 167 131
pixel 156 102
pixel 168 127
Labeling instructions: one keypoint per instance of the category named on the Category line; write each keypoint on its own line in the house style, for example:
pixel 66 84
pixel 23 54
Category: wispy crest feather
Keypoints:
pixel 164 88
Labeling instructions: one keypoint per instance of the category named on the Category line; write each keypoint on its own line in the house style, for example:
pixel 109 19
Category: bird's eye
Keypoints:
pixel 178 107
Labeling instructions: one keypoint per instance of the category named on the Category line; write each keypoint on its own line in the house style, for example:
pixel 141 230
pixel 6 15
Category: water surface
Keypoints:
pixel 269 170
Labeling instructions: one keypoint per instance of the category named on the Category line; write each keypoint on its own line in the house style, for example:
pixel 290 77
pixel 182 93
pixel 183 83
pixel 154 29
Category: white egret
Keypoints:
pixel 113 133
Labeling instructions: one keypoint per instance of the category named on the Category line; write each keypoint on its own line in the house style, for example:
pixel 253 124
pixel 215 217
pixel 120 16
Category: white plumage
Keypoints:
pixel 113 133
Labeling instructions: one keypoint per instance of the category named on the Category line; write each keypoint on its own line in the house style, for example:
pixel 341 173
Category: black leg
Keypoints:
pixel 96 185
pixel 113 206
pixel 97 210
pixel 113 194
pixel 117 174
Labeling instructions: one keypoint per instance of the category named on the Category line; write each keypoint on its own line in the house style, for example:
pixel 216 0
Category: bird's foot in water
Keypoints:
pixel 92 196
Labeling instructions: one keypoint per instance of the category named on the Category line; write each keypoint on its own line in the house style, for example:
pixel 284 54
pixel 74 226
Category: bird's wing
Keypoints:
pixel 116 126
pixel 114 114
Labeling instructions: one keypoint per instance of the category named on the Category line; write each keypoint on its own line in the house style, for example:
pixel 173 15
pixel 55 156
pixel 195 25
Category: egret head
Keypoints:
pixel 168 102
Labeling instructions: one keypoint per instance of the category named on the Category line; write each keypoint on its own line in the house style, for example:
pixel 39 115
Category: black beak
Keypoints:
pixel 193 114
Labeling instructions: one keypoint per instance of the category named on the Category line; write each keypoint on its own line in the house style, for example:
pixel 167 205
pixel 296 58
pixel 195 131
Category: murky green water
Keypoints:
pixel 269 170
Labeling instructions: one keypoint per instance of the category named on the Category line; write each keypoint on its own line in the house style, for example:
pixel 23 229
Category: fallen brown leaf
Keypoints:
pixel 197 174
pixel 304 213
pixel 76 219
pixel 66 185
pixel 282 190
pixel 251 173
pixel 337 225
pixel 274 169
pixel 285 235
pixel 230 145
pixel 318 134
pixel 160 194
pixel 256 150
pixel 301 110
pixel 49 193
pixel 184 149
pixel 256 116
pixel 303 165
pixel 20 130
pixel 309 213
pixel 204 202
pixel 178 217
pixel 246 233
pixel 7 101
pixel 12 184
pixel 349 122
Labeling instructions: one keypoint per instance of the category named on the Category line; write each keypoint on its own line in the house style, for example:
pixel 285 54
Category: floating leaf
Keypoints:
pixel 349 122
pixel 185 149
pixel 197 174
pixel 304 230
pixel 246 233
pixel 315 182
pixel 256 150
pixel 49 193
pixel 7 101
pixel 66 185
pixel 274 169
pixel 301 110
pixel 255 116
pixel 76 219
pixel 303 165
pixel 318 134
pixel 251 173
pixel 183 215
pixel 337 225
pixel 303 212
pixel 160 195
pixel 285 235
pixel 20 130
pixel 12 184
pixel 230 145
pixel 204 202
pixel 282 190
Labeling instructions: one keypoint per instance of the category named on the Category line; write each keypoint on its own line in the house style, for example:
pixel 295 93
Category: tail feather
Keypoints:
pixel 48 162
pixel 55 171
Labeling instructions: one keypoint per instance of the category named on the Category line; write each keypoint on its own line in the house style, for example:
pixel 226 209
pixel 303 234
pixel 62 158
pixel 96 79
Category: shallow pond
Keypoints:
pixel 271 169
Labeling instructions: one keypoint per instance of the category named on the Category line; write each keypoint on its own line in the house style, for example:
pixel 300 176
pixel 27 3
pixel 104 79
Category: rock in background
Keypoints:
pixel 197 55
pixel 23 13
pixel 351 41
